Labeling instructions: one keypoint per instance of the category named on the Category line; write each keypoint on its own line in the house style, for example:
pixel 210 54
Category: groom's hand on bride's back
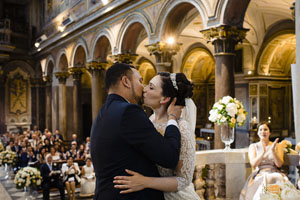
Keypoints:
pixel 174 111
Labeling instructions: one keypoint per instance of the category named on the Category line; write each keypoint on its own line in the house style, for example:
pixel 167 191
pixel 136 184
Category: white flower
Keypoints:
pixel 240 118
pixel 226 99
pixel 213 115
pixel 269 196
pixel 231 109
pixel 38 182
pixel 290 194
pixel 218 106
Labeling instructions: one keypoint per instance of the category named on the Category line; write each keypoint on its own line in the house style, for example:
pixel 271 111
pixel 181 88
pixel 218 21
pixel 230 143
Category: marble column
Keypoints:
pixel 163 53
pixel 76 73
pixel 97 70
pixel 62 102
pixel 296 75
pixel 35 102
pixel 2 101
pixel 48 94
pixel 224 38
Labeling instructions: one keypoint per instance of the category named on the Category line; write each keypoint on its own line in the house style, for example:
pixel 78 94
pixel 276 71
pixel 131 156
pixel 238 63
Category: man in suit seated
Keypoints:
pixel 51 178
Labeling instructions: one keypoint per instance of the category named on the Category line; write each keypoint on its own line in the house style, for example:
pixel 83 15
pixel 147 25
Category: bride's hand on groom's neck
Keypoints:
pixel 174 111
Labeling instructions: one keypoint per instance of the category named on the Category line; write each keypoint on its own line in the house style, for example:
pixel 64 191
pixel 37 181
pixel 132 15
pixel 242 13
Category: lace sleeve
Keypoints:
pixel 184 174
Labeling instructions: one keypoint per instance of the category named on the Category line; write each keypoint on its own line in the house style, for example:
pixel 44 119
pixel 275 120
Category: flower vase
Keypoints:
pixel 28 193
pixel 227 135
pixel 8 170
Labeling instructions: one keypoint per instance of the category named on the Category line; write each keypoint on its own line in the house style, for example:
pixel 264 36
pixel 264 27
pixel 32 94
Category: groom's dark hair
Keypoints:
pixel 115 74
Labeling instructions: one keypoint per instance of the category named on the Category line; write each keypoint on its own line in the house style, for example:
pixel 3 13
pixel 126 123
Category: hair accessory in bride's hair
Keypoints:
pixel 173 79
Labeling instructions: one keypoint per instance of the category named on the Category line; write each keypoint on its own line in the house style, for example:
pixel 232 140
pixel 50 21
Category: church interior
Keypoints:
pixel 54 55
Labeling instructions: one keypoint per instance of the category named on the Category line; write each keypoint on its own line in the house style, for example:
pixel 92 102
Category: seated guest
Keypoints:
pixel 71 178
pixel 63 154
pixel 81 153
pixel 51 178
pixel 73 151
pixel 55 155
pixel 57 136
pixel 31 155
pixel 87 184
pixel 265 157
pixel 74 139
pixel 41 155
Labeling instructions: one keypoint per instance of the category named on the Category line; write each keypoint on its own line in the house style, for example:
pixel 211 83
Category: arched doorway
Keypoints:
pixel 199 66
pixel 271 98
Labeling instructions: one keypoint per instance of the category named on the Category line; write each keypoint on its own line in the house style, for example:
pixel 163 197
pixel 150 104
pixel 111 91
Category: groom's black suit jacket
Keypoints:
pixel 122 137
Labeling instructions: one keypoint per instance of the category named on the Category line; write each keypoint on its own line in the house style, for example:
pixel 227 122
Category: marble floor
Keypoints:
pixel 8 191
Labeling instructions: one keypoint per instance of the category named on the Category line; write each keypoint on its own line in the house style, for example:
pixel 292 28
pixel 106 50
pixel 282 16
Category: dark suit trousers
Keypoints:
pixel 57 184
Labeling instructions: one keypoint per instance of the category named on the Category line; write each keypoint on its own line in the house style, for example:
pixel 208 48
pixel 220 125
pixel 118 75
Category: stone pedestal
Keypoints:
pixel 227 172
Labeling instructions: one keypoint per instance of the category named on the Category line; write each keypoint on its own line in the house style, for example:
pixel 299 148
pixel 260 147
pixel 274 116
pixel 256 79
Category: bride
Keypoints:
pixel 175 183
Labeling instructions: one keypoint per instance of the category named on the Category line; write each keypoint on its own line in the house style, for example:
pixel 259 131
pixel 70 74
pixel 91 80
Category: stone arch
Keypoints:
pixel 16 63
pixel 277 54
pixel 168 20
pixel 133 27
pixel 62 61
pixel 103 36
pixel 50 65
pixel 147 69
pixel 233 12
pixel 199 65
pixel 79 53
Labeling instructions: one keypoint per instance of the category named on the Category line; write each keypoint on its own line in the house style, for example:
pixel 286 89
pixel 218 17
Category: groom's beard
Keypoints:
pixel 138 99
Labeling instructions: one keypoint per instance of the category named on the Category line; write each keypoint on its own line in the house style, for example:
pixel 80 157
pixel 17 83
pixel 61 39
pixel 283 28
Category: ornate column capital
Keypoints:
pixel 224 38
pixel 47 78
pixel 127 58
pixel 62 77
pixel 163 52
pixel 76 72
pixel 95 67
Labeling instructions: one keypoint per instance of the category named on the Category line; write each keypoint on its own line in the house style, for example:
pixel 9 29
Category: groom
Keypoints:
pixel 122 137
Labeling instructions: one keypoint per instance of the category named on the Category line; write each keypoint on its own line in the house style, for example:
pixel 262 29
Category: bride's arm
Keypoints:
pixel 183 173
pixel 137 182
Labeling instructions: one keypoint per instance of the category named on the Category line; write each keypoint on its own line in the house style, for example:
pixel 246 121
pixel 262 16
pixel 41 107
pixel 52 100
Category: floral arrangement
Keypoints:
pixel 7 157
pixel 280 191
pixel 28 176
pixel 1 147
pixel 287 147
pixel 228 110
pixel 297 147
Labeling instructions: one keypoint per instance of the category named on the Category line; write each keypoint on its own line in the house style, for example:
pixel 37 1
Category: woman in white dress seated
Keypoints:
pixel 267 182
pixel 175 183
pixel 71 177
pixel 88 180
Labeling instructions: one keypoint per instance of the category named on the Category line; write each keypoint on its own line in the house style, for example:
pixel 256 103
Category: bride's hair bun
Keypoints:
pixel 185 87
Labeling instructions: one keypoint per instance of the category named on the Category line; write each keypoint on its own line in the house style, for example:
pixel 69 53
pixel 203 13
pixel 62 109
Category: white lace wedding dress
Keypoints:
pixel 184 175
